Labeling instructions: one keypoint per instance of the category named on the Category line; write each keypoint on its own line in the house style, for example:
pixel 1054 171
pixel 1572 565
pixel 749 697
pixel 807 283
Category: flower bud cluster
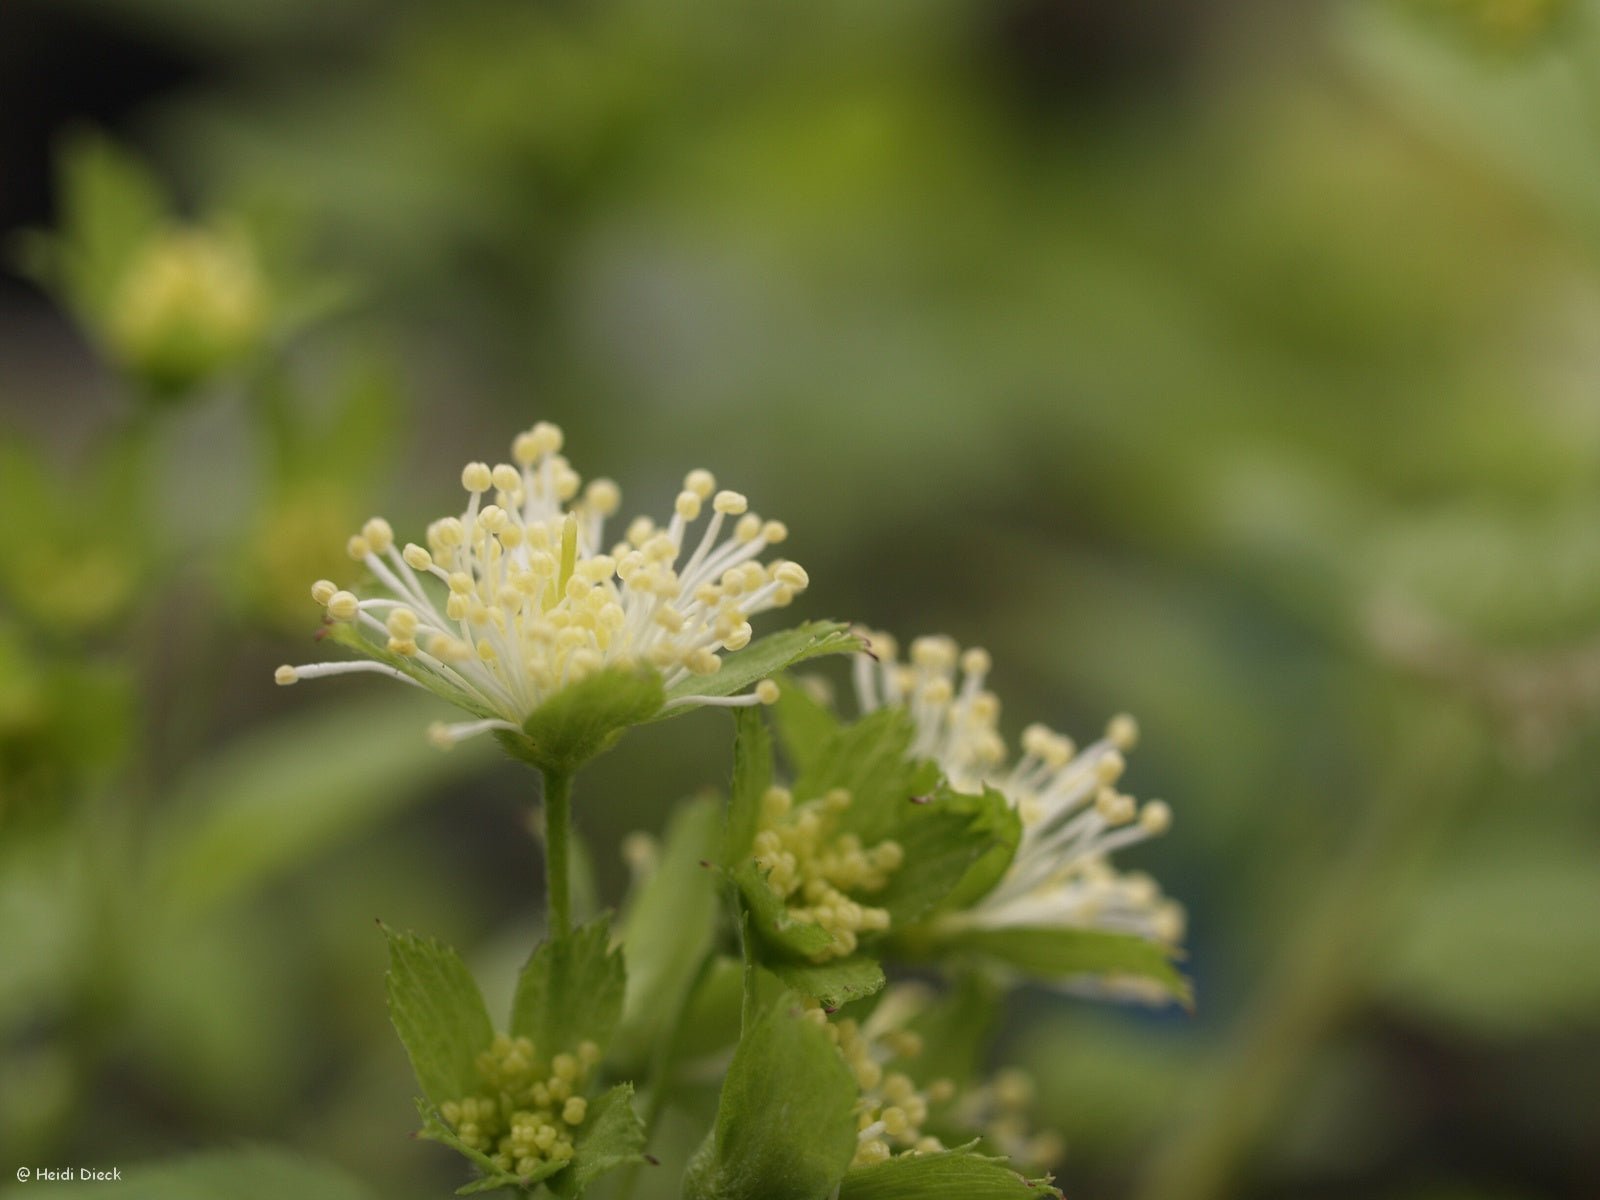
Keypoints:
pixel 1000 1109
pixel 817 871
pixel 892 1109
pixel 529 1109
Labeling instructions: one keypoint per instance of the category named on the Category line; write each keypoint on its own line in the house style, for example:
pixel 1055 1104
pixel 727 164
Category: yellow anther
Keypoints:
pixel 602 497
pixel 775 532
pixel 507 478
pixel 791 574
pixel 357 547
pixel 285 675
pixel 323 590
pixel 379 535
pixel 574 1110
pixel 1109 767
pixel 701 482
pixel 1123 731
pixel 767 692
pixel 1156 817
pixel 416 557
pixel 731 503
pixel 343 606
pixel 977 662
pixel 687 505
pixel 476 477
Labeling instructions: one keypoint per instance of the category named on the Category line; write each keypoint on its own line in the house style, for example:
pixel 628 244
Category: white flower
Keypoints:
pixel 517 598
pixel 1073 818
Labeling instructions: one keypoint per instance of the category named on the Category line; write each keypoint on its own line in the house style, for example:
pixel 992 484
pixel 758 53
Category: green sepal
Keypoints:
pixel 611 1136
pixel 872 760
pixel 570 991
pixel 945 834
pixel 945 1175
pixel 585 718
pixel 770 919
pixel 785 1126
pixel 832 984
pixel 766 657
pixel 1059 954
pixel 439 1014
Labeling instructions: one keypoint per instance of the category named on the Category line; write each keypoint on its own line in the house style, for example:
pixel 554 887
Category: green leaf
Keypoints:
pixel 785 1128
pixel 1071 953
pixel 587 717
pixel 948 1175
pixel 752 776
pixel 832 984
pixel 571 991
pixel 250 1173
pixel 611 1136
pixel 997 823
pixel 766 657
pixel 277 798
pixel 670 926
pixel 872 759
pixel 944 838
pixel 438 1013
pixel 804 724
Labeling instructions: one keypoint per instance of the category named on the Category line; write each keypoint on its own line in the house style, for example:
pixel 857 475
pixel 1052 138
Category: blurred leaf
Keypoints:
pixel 767 657
pixel 949 1174
pixel 439 1015
pixel 954 843
pixel 249 1174
pixel 611 1136
pixel 571 991
pixel 276 798
pixel 832 984
pixel 671 922
pixel 785 1127
pixel 1064 954
pixel 955 1029
pixel 770 919
pixel 1502 943
pixel 804 724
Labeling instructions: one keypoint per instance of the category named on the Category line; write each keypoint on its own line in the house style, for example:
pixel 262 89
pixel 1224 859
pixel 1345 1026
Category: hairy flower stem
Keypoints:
pixel 558 849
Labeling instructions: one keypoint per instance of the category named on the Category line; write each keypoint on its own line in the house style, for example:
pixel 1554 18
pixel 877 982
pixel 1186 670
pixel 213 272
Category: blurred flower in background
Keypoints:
pixel 1232 361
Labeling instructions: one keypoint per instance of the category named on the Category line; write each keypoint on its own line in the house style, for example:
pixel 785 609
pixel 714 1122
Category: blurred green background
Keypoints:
pixel 1226 361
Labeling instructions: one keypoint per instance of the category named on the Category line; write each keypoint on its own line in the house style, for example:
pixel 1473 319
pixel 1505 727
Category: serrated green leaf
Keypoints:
pixel 785 1127
pixel 1060 954
pixel 587 717
pixel 752 776
pixel 273 800
pixel 670 927
pixel 438 1013
pixel 244 1174
pixel 997 823
pixel 948 1175
pixel 945 838
pixel 571 991
pixel 766 657
pixel 832 984
pixel 804 724
pixel 611 1136
pixel 872 760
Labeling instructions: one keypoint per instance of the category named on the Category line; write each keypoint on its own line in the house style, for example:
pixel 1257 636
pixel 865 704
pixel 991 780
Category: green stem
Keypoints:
pixel 558 849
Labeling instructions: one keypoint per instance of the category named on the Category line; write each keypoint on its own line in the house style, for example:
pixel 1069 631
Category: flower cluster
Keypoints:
pixel 529 1108
pixel 518 597
pixel 1073 817
pixel 892 1109
pixel 814 869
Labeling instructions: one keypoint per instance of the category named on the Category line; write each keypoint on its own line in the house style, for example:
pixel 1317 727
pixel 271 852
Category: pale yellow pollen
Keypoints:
pixel 767 692
pixel 357 547
pixel 507 478
pixel 323 591
pixel 343 606
pixel 476 477
pixel 285 675
pixel 603 497
pixel 1156 817
pixel 731 503
pixel 1123 732
pixel 379 535
pixel 792 574
pixel 701 482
